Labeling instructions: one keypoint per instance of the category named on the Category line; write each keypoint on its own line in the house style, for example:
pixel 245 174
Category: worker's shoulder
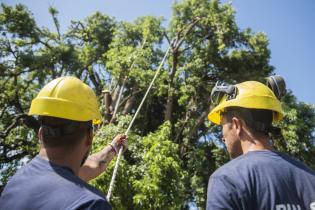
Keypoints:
pixel 56 179
pixel 75 187
pixel 263 161
pixel 247 162
pixel 82 195
pixel 65 186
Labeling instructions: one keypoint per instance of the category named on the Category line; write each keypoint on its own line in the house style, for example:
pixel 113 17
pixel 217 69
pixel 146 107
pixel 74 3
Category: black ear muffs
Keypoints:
pixel 277 85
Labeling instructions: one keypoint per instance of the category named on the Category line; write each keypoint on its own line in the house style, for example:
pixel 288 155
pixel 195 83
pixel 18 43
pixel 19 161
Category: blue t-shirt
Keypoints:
pixel 262 180
pixel 44 185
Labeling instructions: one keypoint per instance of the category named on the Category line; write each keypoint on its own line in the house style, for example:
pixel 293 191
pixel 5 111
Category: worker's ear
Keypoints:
pixel 238 125
pixel 40 134
pixel 89 137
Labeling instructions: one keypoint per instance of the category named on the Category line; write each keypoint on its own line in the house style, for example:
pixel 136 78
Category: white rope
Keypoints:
pixel 109 193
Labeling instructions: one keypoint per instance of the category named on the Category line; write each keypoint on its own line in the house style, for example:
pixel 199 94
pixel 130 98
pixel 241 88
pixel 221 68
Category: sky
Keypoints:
pixel 289 25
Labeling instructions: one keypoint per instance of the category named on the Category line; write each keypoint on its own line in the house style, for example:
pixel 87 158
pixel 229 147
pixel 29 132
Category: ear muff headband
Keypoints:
pixel 277 85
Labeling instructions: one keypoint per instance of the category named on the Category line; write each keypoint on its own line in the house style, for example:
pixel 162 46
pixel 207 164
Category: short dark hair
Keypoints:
pixel 258 120
pixel 59 132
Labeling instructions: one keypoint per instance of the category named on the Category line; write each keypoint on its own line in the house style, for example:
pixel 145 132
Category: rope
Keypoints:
pixel 111 185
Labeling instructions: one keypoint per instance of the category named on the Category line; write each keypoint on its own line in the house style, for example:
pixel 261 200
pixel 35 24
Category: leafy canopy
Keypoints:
pixel 173 148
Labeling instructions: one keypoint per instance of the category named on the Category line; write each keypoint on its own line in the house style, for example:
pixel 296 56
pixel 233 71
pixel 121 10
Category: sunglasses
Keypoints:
pixel 222 90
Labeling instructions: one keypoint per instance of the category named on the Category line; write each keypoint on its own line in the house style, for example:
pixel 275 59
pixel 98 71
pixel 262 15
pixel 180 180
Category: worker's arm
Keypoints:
pixel 96 163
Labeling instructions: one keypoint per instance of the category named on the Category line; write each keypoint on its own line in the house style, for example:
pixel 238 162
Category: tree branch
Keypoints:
pixel 13 125
pixel 29 121
pixel 167 38
pixel 200 120
pixel 188 29
pixel 129 96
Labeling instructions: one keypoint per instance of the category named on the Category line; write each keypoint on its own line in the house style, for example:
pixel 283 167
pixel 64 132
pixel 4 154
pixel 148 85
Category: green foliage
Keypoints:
pixel 150 175
pixel 18 20
pixel 173 149
pixel 30 56
pixel 297 130
pixel 162 183
pixel 133 46
pixel 123 191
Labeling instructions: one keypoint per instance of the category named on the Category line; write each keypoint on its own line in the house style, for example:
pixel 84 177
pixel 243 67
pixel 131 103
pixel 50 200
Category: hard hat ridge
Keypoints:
pixel 68 98
pixel 249 94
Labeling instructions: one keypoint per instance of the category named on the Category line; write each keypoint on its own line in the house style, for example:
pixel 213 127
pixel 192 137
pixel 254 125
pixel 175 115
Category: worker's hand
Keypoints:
pixel 118 141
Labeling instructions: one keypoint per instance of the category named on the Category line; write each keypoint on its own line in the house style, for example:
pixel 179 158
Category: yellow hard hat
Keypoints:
pixel 250 94
pixel 68 98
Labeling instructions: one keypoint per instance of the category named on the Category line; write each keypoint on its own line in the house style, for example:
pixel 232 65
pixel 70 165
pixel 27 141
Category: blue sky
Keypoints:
pixel 289 24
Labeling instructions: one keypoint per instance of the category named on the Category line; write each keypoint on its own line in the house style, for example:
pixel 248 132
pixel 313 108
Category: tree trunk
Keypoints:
pixel 107 105
pixel 129 104
pixel 171 89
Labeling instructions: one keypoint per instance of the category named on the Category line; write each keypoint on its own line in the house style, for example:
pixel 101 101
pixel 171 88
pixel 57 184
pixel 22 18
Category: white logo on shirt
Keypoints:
pixel 289 207
pixel 312 205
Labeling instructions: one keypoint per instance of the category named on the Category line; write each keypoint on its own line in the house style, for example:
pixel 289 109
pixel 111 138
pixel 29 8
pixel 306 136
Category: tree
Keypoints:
pixel 297 130
pixel 32 56
pixel 173 148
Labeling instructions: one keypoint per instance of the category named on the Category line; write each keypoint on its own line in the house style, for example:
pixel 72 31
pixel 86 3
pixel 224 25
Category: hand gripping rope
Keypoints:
pixel 111 185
